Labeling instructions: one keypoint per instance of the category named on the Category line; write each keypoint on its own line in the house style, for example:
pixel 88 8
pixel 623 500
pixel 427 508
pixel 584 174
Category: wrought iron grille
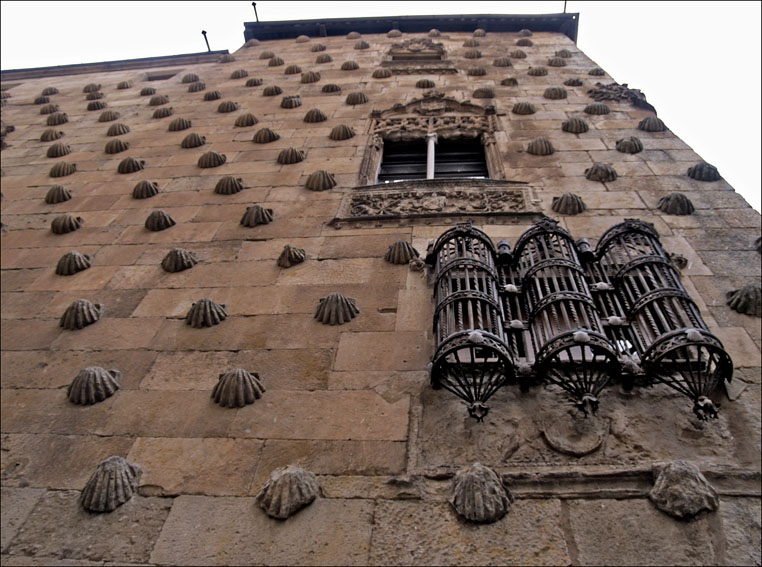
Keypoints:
pixel 554 310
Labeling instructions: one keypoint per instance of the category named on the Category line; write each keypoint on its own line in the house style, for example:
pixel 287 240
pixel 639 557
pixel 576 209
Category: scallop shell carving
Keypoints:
pixel 196 87
pixel 50 135
pixel 540 147
pixel 292 70
pixel 246 120
pixel 353 35
pixel 113 483
pixel 193 140
pixel 479 496
pixel 573 82
pixel 226 58
pixel 320 180
pixel 315 115
pixel 130 165
pixel 212 95
pixel 341 132
pixel 145 189
pixel 747 300
pixel 523 108
pixel 147 91
pixel 394 33
pixel 291 101
pixel 251 43
pixel 517 54
pixel 555 93
pixel 631 145
pixel 256 215
pixel 211 159
pixel 568 204
pixel 65 224
pixel 239 74
pixel 80 314
pixel 291 256
pixel 310 77
pixel 331 88
pixel 254 82
pixel 484 92
pixel 190 78
pixel 510 82
pixel 177 260
pixel 356 98
pixel 91 88
pixel 229 185
pixel 47 91
pixel 164 112
pixel 433 32
pixel 62 169
pixel 117 129
pixel 703 171
pixel 597 72
pixel 158 221
pixel 205 313
pixel 476 71
pixel 502 62
pixel 525 33
pixel 94 96
pixel 272 90
pixel 470 42
pixel 472 54
pixel 401 252
pixel 43 99
pixel 676 204
pixel 323 58
pixel 479 32
pixel 96 105
pixel 59 149
pixel 108 116
pixel 122 85
pixel 265 136
pixel 57 118
pixel 349 66
pixel 237 388
pixel 275 62
pixel 71 263
pixel 116 146
pixel 57 194
pixel 425 84
pixel 601 172
pixel 525 43
pixel 597 108
pixel 92 385
pixel 266 55
pixel 49 109
pixel 317 47
pixel 575 125
pixel 652 124
pixel 179 124
pixel 335 309
pixel 288 490
pixel 362 44
pixel 290 155
pixel 302 39
pixel 556 62
pixel 537 71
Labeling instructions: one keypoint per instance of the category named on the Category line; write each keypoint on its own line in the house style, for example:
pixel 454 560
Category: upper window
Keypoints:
pixel 462 158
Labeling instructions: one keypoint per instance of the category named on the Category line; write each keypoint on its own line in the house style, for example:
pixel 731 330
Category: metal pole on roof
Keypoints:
pixel 564 6
pixel 255 10
pixel 209 49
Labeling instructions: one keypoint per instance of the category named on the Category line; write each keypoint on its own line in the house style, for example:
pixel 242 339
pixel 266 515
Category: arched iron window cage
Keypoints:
pixel 554 310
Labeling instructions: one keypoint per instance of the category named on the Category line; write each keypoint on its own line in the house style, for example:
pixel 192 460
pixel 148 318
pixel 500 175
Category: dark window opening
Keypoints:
pixel 403 160
pixel 453 159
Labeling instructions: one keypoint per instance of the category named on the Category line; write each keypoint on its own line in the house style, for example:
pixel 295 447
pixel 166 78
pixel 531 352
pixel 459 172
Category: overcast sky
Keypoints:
pixel 697 62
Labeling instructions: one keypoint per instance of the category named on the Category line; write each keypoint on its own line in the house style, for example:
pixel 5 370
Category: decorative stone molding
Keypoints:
pixel 597 108
pixel 555 93
pixel 92 385
pixel 288 490
pixel 57 119
pixel 80 314
pixel 228 106
pixel 206 313
pixel 349 66
pixel 479 496
pixel 291 101
pixel 239 74
pixel 190 78
pixel 254 82
pixel 331 88
pixel 147 91
pixel 290 156
pixel 315 115
pixel 272 90
pixel 335 309
pixel 310 77
pixel 212 95
pixel 292 70
pixel 341 132
pixel 323 58
pixel 747 300
pixel 538 71
pixel 540 147
pixel 573 82
pixel 112 484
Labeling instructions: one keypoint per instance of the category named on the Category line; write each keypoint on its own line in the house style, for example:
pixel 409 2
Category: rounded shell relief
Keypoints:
pixel 237 388
pixel 479 496
pixel 288 490
pixel 113 483
pixel 92 385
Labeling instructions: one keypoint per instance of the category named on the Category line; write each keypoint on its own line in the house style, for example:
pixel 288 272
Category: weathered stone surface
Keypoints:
pixel 680 490
pixel 113 483
pixel 288 490
pixel 478 494
pixel 237 533
pixel 382 351
pixel 17 505
pixel 741 528
pixel 426 533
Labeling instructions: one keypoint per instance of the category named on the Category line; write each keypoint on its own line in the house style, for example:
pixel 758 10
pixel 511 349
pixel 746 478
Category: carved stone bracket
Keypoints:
pixel 421 199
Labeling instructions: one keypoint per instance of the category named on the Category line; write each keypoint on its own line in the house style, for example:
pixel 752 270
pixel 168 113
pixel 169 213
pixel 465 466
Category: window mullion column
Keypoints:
pixel 431 140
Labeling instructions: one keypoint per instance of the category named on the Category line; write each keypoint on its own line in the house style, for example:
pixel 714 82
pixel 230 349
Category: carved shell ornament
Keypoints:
pixel 211 159
pixel 523 108
pixel 80 314
pixel 229 185
pixel 239 74
pixel 116 146
pixel 335 309
pixel 112 484
pixel 310 77
pixel 50 135
pixel 353 35
pixel 540 147
pixel 502 62
pixel 272 90
pixel 362 44
pixel 472 54
pixel 48 91
pixel 597 108
pixel 212 95
pixel 315 115
pixel 401 252
pixel 92 385
pixel 601 172
pixel 179 124
pixel 163 112
pixel 290 156
pixel 703 171
pixel 59 149
pixel 568 204
pixel 517 54
pixel 147 91
pixel 275 62
pixel 292 70
pixel 747 300
pixel 394 33
pixel 476 71
pixel 470 42
pixel 193 140
pixel 382 73
pixel 65 224
pixel 206 313
pixel 228 106
pixel 246 120
pixel 178 260
pixel 575 125
pixel 479 496
pixel 323 58
pixel 349 66
pixel 597 72
pixel 256 215
pixel 122 85
pixel 94 96
pixel 237 388
pixel 317 48
pixel 197 87
pixel 117 129
pixel 57 194
pixel 652 124
pixel 302 39
pixel 341 132
pixel 145 189
pixel 265 136
pixel 676 204
pixel 288 490
pixel 292 101
pixel 630 145
pixel 266 55
pixel 158 100
pixel 49 109
pixel 251 43
pixel 109 116
pixel 573 82
pixel 555 93
pixel 556 62
pixel 525 43
pixel 510 82
pixel 96 105
pixel 130 165
pixel 190 78
pixel 72 263
pixel 320 180
pixel 291 256
pixel 537 71
pixel 484 92
pixel 254 82
pixel 158 221
pixel 226 58
pixel 425 84
pixel 57 119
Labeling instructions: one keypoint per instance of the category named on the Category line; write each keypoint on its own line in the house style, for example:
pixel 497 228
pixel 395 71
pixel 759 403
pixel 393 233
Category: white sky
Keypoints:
pixel 697 62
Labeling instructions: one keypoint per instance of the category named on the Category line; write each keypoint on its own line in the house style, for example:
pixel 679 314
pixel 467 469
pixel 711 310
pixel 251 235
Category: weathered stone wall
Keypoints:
pixel 351 403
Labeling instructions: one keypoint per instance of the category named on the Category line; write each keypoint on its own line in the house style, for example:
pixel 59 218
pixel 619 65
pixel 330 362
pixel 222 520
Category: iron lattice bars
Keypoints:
pixel 471 360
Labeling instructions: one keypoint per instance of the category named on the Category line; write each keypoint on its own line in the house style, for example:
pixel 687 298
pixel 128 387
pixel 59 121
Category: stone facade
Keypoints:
pixel 351 403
